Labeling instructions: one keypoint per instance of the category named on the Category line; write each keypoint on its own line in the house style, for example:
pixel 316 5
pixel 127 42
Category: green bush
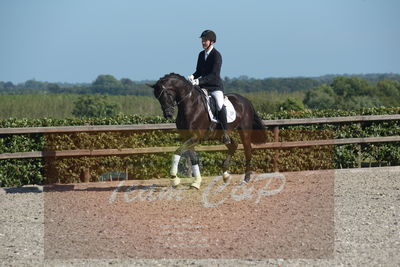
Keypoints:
pixel 95 106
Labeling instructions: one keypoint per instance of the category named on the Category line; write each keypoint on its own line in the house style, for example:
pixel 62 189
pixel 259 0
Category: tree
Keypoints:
pixel 9 85
pixel 388 88
pixel 320 97
pixel 33 84
pixel 127 82
pixel 388 92
pixel 351 86
pixel 359 102
pixel 106 84
pixel 95 106
pixel 53 88
pixel 106 81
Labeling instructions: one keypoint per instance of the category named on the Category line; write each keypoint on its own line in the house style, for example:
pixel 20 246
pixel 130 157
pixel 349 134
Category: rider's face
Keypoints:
pixel 206 43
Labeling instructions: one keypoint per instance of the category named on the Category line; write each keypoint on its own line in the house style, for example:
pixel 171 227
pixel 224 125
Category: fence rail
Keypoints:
pixel 170 126
pixel 151 150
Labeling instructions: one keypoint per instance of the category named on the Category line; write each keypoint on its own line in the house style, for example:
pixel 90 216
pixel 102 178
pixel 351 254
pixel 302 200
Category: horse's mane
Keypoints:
pixel 173 75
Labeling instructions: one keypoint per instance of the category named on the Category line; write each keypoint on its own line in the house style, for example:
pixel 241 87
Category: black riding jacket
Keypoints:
pixel 209 71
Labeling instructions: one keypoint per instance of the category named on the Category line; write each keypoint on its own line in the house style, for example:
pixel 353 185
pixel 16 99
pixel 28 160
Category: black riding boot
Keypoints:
pixel 222 118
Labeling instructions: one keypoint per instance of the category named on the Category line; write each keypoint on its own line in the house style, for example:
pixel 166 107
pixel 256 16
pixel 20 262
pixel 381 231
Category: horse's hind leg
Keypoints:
pixel 246 140
pixel 227 162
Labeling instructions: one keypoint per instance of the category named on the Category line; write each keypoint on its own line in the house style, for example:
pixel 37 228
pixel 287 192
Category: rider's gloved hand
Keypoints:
pixel 195 82
pixel 191 78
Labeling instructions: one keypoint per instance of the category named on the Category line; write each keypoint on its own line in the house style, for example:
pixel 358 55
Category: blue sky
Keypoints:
pixel 76 40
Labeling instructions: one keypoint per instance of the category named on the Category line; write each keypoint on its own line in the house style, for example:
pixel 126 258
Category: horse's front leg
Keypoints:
pixel 187 145
pixel 195 169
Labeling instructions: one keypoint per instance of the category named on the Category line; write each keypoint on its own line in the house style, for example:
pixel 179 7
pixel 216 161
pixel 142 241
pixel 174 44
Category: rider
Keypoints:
pixel 207 75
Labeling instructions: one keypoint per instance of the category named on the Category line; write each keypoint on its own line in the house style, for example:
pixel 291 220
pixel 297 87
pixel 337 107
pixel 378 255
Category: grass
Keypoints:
pixel 61 105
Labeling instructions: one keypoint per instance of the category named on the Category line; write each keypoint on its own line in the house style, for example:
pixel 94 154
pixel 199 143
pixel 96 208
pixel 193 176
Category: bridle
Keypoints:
pixel 164 89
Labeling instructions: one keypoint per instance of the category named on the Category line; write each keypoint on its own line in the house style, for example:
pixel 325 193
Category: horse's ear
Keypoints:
pixel 150 85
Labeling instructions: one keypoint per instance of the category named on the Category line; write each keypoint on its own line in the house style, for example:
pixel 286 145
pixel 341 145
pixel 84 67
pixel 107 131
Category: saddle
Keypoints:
pixel 211 107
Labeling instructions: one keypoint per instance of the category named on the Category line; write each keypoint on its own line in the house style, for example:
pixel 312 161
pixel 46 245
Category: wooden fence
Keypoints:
pixel 276 124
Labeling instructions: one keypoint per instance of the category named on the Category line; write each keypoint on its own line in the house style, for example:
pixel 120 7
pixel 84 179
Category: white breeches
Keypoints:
pixel 219 98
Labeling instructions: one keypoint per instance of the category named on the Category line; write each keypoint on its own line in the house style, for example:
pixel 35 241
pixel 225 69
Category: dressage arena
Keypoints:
pixel 313 218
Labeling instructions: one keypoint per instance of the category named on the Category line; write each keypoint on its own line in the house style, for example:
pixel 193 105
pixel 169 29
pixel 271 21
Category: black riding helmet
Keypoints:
pixel 209 35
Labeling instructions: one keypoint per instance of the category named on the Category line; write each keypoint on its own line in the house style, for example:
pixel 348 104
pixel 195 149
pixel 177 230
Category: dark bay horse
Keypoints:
pixel 194 124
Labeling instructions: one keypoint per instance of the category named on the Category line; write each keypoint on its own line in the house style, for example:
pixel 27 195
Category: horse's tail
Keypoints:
pixel 258 135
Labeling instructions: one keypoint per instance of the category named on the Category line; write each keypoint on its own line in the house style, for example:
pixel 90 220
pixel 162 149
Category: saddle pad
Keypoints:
pixel 230 110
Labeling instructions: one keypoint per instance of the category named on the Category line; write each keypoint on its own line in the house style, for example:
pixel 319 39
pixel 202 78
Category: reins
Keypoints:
pixel 164 89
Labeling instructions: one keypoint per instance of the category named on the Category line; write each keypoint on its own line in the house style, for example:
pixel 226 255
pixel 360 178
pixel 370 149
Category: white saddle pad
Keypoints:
pixel 230 110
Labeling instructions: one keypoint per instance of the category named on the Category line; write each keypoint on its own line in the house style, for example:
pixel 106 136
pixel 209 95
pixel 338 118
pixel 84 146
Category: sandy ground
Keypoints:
pixel 315 218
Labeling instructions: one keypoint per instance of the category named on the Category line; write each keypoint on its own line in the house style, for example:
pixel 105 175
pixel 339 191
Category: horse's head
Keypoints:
pixel 171 90
pixel 166 95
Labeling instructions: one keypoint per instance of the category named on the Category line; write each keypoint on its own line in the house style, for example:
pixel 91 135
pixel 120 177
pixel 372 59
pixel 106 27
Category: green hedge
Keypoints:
pixel 67 170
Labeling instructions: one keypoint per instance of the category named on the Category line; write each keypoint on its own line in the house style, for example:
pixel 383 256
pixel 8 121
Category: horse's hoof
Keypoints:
pixel 226 176
pixel 247 177
pixel 243 183
pixel 175 181
pixel 196 184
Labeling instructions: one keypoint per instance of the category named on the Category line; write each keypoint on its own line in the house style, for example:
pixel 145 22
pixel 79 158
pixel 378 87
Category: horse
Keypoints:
pixel 194 124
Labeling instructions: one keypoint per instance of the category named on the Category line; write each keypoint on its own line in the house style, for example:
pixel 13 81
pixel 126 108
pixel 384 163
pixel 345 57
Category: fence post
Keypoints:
pixel 359 153
pixel 85 175
pixel 276 152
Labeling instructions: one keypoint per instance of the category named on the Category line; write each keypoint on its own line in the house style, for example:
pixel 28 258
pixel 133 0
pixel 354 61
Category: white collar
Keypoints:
pixel 207 52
